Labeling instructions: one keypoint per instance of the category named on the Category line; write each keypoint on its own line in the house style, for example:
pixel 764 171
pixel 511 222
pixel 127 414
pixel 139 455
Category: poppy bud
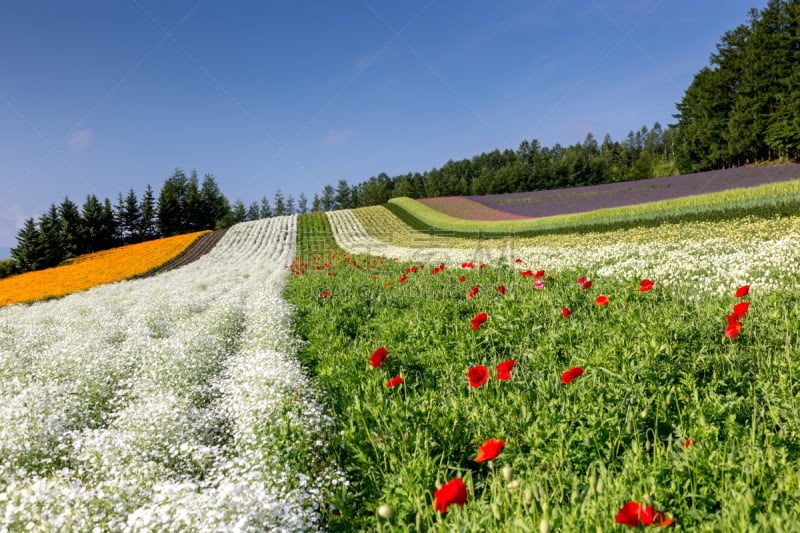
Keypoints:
pixel 644 413
pixel 514 484
pixel 508 473
pixel 648 501
pixel 385 511
pixel 544 526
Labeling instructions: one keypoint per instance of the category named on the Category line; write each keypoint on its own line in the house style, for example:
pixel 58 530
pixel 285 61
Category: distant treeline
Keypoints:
pixel 647 153
pixel 184 205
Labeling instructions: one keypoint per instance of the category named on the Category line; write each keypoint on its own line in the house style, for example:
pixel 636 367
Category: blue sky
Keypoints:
pixel 100 96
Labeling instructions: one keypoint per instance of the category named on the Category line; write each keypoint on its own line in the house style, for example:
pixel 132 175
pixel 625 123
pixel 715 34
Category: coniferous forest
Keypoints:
pixel 743 108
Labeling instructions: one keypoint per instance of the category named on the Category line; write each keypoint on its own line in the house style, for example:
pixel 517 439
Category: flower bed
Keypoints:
pixel 94 269
pixel 172 403
pixel 468 209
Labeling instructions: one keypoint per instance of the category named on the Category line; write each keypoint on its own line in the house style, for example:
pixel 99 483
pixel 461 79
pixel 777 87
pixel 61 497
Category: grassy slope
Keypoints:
pixel 765 200
pixel 658 372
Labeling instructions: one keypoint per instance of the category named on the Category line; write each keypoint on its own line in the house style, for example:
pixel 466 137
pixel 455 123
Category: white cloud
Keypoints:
pixel 336 137
pixel 79 140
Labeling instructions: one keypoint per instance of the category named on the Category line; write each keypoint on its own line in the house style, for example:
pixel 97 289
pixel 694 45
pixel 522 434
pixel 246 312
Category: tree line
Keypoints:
pixel 646 153
pixel 184 205
pixel 745 106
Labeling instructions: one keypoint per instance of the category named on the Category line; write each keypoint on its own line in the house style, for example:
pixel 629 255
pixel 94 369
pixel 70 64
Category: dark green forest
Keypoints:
pixel 743 108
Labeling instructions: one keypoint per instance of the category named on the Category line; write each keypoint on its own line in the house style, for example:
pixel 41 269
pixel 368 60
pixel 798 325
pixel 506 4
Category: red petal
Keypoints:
pixel 742 291
pixel 452 492
pixel 489 450
pixel 629 514
pixel 571 374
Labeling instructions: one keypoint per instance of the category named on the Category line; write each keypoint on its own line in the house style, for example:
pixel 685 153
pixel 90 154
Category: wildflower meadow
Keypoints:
pixel 561 389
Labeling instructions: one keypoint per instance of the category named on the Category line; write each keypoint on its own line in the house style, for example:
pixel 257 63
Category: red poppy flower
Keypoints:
pixel 501 289
pixel 378 357
pixel 571 374
pixel 742 291
pixel 489 450
pixel 451 492
pixel 539 274
pixel 732 331
pixel 477 375
pixel 582 280
pixel 740 309
pixel 483 266
pixel 375 277
pixel 504 369
pixel 586 284
pixel 518 260
pixel 462 278
pixel 601 300
pixel 645 285
pixel 479 319
pixel 506 366
pixel 688 442
pixel 526 274
pixel 632 514
pixel 395 381
pixel 324 294
pixel 473 291
pixel 565 312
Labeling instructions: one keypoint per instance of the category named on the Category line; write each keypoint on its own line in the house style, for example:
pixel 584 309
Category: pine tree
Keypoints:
pixel 148 228
pixel 253 212
pixel 280 205
pixel 51 238
pixel 170 211
pixel 342 200
pixel 327 198
pixel 108 228
pixel 93 224
pixel 316 204
pixel 194 205
pixel 238 212
pixel 290 205
pixel 266 210
pixel 129 217
pixel 302 204
pixel 27 255
pixel 216 209
pixel 73 240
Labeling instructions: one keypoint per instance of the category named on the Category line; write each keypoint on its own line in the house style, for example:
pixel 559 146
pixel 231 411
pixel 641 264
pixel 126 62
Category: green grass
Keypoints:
pixel 782 199
pixel 658 371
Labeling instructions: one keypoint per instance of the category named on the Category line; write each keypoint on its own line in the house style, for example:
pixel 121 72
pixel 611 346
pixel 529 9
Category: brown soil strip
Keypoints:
pixel 195 251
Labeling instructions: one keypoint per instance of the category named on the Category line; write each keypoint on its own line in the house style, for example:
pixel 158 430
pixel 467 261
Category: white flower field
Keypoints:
pixel 173 403
pixel 704 257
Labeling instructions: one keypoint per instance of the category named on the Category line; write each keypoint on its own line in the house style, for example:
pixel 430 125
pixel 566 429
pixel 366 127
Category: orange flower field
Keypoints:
pixel 94 269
